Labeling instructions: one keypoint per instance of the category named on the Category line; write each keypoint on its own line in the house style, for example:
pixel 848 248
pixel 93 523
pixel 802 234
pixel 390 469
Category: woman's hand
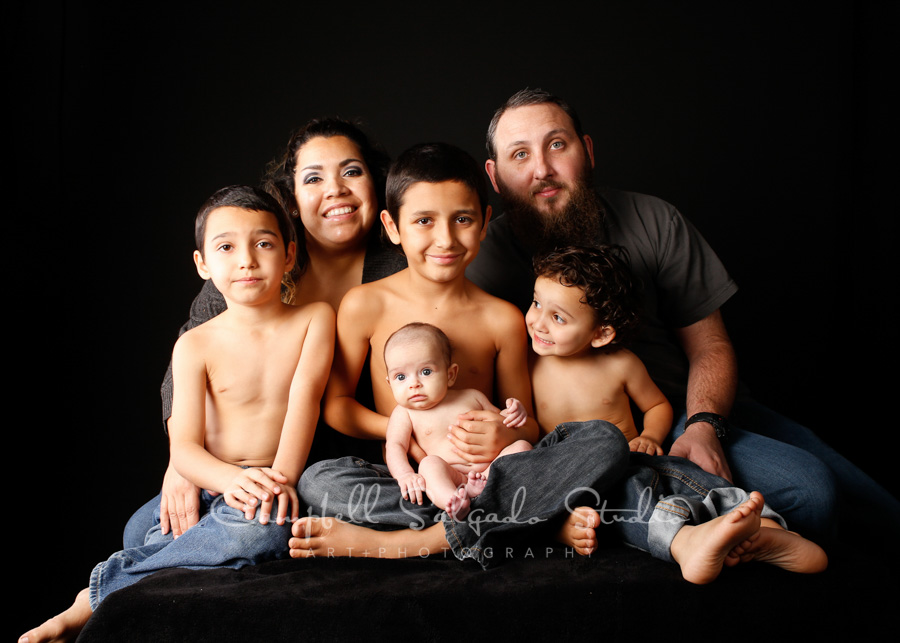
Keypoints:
pixel 179 505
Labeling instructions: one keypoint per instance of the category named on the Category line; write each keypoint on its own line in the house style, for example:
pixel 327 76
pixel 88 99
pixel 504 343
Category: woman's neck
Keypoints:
pixel 330 274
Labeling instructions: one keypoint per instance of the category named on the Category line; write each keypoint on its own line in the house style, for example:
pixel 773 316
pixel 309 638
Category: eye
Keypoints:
pixel 535 304
pixel 558 319
pixel 354 171
pixel 225 247
pixel 464 219
pixel 423 221
pixel 399 377
pixel 557 145
pixel 519 155
pixel 311 178
pixel 427 371
pixel 265 244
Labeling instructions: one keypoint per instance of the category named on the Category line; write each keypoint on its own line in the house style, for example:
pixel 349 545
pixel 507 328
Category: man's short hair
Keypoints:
pixel 603 276
pixel 523 98
pixel 433 163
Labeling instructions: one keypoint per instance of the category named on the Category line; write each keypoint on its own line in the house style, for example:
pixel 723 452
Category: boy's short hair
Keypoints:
pixel 246 198
pixel 433 163
pixel 603 276
pixel 417 330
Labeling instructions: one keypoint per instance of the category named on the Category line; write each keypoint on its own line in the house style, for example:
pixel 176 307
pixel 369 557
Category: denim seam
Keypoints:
pixel 678 510
pixel 680 475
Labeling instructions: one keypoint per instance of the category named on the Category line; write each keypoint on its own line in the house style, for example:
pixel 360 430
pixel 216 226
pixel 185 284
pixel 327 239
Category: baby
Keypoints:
pixel 420 373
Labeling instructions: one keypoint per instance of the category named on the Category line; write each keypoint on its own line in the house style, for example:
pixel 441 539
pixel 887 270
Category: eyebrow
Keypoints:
pixel 318 166
pixel 550 134
pixel 228 233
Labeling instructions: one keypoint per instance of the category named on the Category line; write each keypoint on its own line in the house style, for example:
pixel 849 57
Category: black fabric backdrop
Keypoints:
pixel 769 126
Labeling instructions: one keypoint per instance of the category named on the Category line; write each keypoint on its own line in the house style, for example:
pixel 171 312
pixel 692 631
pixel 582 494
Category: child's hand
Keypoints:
pixel 251 487
pixel 288 500
pixel 514 413
pixel 645 445
pixel 412 485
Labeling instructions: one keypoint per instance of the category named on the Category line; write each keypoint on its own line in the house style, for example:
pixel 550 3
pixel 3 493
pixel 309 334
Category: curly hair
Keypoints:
pixel 603 276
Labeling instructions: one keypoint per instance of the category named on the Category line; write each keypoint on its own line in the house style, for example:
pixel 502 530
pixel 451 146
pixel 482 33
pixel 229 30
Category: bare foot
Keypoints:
pixel 330 537
pixel 578 531
pixel 475 484
pixel 702 550
pixel 65 626
pixel 458 505
pixel 786 549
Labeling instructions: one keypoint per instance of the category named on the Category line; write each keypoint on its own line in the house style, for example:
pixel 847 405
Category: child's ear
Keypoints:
pixel 201 266
pixel 452 372
pixel 603 335
pixel 487 217
pixel 388 222
pixel 289 256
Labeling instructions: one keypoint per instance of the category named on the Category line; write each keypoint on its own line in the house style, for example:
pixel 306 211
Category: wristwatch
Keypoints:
pixel 718 422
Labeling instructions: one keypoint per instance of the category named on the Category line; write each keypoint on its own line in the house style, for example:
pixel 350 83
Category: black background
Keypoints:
pixel 768 125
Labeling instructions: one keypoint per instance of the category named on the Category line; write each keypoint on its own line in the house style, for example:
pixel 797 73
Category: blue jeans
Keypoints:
pixel 222 538
pixel 863 508
pixel 659 495
pixel 527 494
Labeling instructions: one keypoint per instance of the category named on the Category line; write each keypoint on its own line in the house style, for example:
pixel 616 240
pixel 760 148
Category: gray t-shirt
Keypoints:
pixel 681 280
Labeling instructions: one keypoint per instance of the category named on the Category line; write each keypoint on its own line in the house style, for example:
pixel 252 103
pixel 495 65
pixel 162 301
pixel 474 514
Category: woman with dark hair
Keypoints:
pixel 330 179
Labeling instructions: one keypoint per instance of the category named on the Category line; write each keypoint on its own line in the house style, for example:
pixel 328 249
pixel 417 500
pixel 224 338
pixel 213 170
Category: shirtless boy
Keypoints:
pixel 582 312
pixel 421 374
pixel 259 369
pixel 437 213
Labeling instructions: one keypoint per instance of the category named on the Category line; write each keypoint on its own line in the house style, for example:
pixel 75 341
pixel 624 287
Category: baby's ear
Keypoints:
pixel 603 335
pixel 452 373
pixel 201 266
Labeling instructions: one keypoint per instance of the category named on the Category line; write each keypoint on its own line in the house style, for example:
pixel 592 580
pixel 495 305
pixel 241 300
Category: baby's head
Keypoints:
pixel 584 299
pixel 240 224
pixel 417 360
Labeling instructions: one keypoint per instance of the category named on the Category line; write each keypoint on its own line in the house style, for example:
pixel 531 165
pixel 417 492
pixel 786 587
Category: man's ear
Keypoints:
pixel 589 148
pixel 202 270
pixel 603 335
pixel 490 166
pixel 388 222
pixel 452 372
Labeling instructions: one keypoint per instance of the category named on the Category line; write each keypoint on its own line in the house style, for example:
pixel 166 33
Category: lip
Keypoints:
pixel 445 259
pixel 418 398
pixel 248 280
pixel 548 193
pixel 540 342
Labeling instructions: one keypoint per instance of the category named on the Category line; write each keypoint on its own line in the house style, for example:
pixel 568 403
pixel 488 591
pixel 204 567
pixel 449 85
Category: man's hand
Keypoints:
pixel 179 505
pixel 700 445
pixel 479 436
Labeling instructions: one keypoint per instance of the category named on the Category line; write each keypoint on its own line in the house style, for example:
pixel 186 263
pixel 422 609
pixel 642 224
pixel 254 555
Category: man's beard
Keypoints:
pixel 579 223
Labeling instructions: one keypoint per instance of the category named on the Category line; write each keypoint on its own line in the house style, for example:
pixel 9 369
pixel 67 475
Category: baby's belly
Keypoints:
pixel 443 448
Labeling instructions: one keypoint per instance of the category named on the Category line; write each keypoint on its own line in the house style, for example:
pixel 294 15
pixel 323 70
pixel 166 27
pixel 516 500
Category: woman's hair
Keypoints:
pixel 246 197
pixel 603 277
pixel 279 176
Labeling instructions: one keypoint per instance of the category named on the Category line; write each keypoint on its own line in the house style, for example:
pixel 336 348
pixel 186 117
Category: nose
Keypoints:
pixel 414 382
pixel 536 320
pixel 542 168
pixel 246 257
pixel 336 187
pixel 443 235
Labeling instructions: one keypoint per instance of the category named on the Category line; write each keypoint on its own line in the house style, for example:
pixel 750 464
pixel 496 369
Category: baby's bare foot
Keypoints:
pixel 579 530
pixel 65 626
pixel 702 550
pixel 475 484
pixel 458 505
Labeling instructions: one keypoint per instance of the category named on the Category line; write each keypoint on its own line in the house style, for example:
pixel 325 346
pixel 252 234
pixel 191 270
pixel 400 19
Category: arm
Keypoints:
pixel 242 488
pixel 653 404
pixel 396 455
pixel 179 507
pixel 480 435
pixel 342 411
pixel 307 388
pixel 712 382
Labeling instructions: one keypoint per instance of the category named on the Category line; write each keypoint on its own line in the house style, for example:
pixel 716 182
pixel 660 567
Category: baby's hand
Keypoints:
pixel 645 445
pixel 412 485
pixel 514 413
